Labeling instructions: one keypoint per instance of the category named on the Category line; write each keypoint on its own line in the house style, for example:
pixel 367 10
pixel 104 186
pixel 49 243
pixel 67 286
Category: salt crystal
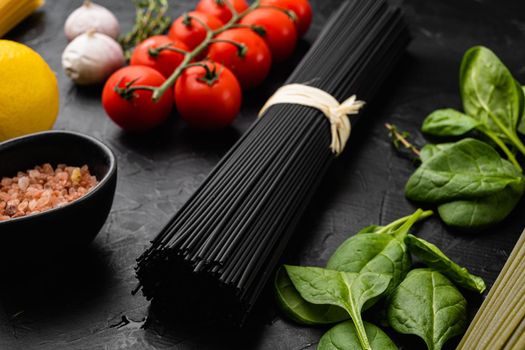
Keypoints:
pixel 22 206
pixel 43 188
pixel 75 176
pixel 42 202
pixel 23 183
pixel 47 168
pixel 13 202
pixel 34 174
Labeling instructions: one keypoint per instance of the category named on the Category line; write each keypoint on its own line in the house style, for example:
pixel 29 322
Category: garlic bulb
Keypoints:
pixel 91 57
pixel 91 16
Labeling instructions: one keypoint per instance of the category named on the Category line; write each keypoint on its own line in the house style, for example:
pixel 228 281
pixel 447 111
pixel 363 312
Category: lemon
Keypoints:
pixel 28 91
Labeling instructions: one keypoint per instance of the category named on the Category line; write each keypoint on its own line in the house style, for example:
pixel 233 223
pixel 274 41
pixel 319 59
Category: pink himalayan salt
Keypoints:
pixel 43 188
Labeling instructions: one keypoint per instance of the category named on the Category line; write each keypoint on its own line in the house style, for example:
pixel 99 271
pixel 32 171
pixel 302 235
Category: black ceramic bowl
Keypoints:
pixel 73 225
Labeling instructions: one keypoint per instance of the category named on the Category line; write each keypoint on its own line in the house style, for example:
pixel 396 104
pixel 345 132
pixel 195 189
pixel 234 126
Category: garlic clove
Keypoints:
pixel 91 57
pixel 91 16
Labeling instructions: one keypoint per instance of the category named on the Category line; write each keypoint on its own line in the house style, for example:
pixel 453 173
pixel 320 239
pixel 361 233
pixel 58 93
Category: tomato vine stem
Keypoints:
pixel 199 49
pixel 155 51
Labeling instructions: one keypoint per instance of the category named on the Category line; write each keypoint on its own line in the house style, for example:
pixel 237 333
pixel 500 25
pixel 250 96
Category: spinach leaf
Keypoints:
pixel 466 170
pixel 347 290
pixel 428 305
pixel 429 150
pixel 384 253
pixel 484 211
pixel 390 257
pixel 473 186
pixel 521 125
pixel 433 257
pixel 361 251
pixel 370 229
pixel 490 94
pixel 298 309
pixel 344 337
pixel 378 253
pixel 448 122
pixel 392 227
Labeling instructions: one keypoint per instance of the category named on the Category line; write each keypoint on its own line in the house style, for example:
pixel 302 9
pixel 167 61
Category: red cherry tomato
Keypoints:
pixel 135 111
pixel 208 98
pixel 280 33
pixel 301 8
pixel 190 31
pixel 252 67
pixel 219 9
pixel 154 52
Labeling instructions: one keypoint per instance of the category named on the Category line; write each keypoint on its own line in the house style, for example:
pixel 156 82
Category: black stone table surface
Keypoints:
pixel 84 302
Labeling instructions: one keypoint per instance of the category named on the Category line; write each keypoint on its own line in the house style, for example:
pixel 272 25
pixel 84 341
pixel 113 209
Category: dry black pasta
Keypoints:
pixel 221 247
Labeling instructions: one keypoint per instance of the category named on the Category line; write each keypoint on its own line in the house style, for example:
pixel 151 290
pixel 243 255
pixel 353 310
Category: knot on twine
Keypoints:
pixel 337 113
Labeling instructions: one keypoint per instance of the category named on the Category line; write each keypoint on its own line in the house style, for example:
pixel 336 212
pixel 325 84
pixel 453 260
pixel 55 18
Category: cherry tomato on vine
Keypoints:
pixel 219 9
pixel 280 33
pixel 251 65
pixel 301 8
pixel 208 96
pixel 135 110
pixel 155 52
pixel 190 31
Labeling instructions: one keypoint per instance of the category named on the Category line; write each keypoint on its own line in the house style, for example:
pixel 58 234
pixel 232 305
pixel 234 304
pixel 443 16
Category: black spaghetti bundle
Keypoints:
pixel 219 250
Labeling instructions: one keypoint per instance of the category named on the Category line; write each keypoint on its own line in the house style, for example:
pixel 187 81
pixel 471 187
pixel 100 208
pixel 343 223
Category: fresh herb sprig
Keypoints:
pixel 150 19
pixel 400 139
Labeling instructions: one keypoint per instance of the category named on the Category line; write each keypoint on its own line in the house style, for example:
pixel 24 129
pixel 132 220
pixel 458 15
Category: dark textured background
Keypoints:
pixel 84 301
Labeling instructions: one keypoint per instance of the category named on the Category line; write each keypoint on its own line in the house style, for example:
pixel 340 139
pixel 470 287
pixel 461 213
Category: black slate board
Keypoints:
pixel 84 301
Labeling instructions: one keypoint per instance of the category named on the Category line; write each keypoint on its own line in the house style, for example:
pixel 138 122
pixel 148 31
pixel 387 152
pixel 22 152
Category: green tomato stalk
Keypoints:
pixel 197 51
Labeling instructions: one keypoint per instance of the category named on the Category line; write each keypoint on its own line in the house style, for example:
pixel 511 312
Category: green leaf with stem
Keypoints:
pixel 448 122
pixel 469 169
pixel 433 257
pixel 430 150
pixel 521 125
pixel 482 212
pixel 385 246
pixel 395 225
pixel 491 95
pixel 504 148
pixel 300 310
pixel 344 337
pixel 428 305
pixel 383 251
pixel 346 290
